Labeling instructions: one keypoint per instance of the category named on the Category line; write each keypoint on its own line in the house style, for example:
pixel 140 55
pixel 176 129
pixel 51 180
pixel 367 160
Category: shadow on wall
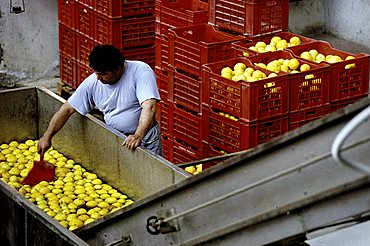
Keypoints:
pixel 313 30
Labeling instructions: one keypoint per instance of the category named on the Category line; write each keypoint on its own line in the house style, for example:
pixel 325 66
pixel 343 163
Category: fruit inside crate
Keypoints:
pixel 177 13
pixel 309 81
pixel 349 73
pixel 232 136
pixel 268 43
pixel 251 98
pixel 250 17
pixel 191 47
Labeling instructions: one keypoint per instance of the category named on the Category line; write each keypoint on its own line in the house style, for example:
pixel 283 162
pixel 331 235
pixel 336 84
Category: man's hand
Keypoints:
pixel 147 117
pixel 43 145
pixel 56 123
pixel 132 141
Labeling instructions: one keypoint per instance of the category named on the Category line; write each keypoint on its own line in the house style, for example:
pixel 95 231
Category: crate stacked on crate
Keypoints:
pixel 250 17
pixel 173 14
pixel 242 112
pixel 309 95
pixel 129 25
pixel 349 73
pixel 191 47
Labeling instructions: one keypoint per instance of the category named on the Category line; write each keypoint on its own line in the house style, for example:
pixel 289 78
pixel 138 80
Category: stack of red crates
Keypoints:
pixel 183 45
pixel 129 25
pixel 179 111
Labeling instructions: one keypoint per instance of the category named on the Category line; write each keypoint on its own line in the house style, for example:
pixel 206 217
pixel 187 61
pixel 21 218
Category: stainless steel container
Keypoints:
pixel 25 114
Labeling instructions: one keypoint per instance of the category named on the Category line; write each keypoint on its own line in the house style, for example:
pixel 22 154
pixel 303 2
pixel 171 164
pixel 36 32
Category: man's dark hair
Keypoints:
pixel 104 58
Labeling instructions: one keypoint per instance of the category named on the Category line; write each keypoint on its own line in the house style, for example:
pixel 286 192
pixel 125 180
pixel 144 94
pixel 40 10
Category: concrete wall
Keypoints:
pixel 349 19
pixel 29 41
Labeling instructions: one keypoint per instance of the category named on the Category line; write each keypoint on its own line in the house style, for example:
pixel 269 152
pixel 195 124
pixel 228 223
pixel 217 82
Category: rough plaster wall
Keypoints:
pixel 307 16
pixel 29 41
pixel 349 20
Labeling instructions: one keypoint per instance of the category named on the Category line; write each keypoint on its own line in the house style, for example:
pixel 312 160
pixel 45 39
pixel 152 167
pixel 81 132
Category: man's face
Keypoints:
pixel 108 77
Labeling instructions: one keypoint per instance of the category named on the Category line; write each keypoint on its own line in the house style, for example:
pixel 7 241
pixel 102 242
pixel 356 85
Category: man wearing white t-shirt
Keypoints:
pixel 124 91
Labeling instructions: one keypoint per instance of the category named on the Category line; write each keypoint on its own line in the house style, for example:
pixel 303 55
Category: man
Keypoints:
pixel 124 91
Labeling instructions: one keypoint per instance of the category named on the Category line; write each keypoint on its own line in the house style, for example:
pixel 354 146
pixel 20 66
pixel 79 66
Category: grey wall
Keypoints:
pixel 346 19
pixel 29 41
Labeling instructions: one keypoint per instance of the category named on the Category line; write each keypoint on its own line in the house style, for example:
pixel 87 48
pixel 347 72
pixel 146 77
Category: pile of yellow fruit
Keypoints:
pixel 76 197
pixel 240 71
pixel 315 56
pixel 286 65
pixel 194 169
pixel 229 116
pixel 276 43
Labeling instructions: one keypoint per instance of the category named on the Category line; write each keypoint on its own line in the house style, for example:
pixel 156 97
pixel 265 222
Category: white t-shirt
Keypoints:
pixel 121 102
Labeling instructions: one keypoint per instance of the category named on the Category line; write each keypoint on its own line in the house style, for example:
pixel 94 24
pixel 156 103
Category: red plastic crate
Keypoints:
pixel 187 126
pixel 245 100
pixel 67 13
pixel 138 8
pixel 85 20
pixel 187 90
pixel 167 148
pixel 345 83
pixel 210 151
pixel 165 88
pixel 84 46
pixel 109 8
pixel 191 47
pixel 250 17
pixel 232 136
pixel 184 152
pixel 161 51
pixel 88 3
pixel 336 105
pixel 176 13
pixel 302 117
pixel 304 93
pixel 108 30
pixel 83 71
pixel 126 33
pixel 241 47
pixel 145 54
pixel 67 40
pixel 165 114
pixel 67 70
pixel 138 32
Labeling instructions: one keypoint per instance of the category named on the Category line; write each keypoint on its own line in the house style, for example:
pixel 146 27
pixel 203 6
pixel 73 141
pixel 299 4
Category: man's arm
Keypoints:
pixel 56 123
pixel 146 120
